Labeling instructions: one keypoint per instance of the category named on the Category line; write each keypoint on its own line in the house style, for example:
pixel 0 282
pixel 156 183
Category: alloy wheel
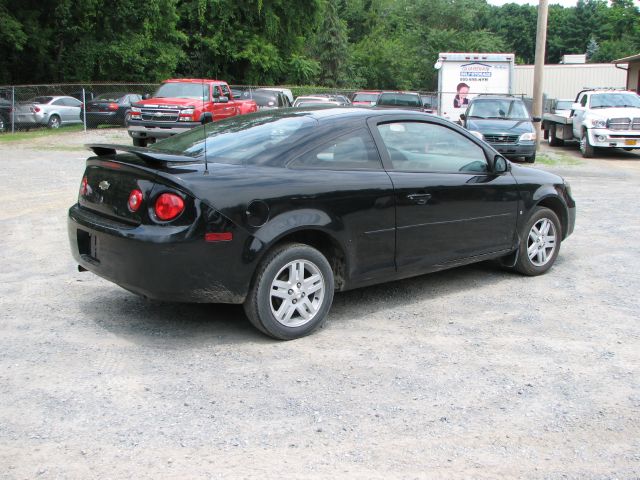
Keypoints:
pixel 297 293
pixel 541 242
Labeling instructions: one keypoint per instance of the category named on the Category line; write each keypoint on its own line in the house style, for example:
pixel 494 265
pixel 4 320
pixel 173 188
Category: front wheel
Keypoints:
pixel 540 241
pixel 139 142
pixel 588 151
pixel 530 159
pixel 292 292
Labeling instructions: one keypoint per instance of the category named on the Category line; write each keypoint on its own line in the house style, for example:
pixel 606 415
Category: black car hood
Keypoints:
pixel 495 125
pixel 524 174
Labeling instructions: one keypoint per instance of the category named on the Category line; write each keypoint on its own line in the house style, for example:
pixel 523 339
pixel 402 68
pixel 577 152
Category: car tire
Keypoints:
pixel 139 142
pixel 588 150
pixel 530 159
pixel 292 292
pixel 127 117
pixel 3 125
pixel 54 121
pixel 540 241
pixel 553 140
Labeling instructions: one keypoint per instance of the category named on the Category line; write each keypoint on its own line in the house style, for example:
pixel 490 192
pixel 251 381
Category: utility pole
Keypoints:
pixel 538 71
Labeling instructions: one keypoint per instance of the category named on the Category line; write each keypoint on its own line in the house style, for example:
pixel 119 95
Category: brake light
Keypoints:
pixel 113 106
pixel 36 109
pixel 135 200
pixel 168 206
pixel 84 186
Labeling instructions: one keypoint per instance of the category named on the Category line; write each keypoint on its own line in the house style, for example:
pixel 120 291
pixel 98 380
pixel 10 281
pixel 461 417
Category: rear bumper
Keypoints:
pixel 159 262
pixel 139 129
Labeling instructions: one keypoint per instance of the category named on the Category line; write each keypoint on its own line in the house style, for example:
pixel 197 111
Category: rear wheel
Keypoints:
pixel 291 293
pixel 539 242
pixel 54 121
pixel 588 151
pixel 139 142
pixel 553 140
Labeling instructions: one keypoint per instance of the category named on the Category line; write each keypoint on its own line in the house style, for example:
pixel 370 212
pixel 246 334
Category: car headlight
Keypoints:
pixel 598 123
pixel 476 134
pixel 527 137
pixel 135 109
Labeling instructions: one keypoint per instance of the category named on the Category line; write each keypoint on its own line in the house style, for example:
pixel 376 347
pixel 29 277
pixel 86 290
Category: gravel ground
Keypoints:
pixel 469 373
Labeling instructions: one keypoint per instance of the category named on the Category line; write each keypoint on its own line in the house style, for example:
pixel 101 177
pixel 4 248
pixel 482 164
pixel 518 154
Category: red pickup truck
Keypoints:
pixel 181 104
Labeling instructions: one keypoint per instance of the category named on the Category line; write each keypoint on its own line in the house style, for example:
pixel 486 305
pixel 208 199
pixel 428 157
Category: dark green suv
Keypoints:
pixel 505 123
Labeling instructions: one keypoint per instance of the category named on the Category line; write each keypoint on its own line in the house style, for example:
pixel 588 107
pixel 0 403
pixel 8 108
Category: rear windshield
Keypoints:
pixel 183 90
pixel 253 139
pixel 564 104
pixel 365 97
pixel 110 97
pixel 400 99
pixel 41 100
pixel 499 108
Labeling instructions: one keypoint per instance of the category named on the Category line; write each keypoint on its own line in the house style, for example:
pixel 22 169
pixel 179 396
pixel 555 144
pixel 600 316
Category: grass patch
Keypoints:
pixel 557 159
pixel 38 133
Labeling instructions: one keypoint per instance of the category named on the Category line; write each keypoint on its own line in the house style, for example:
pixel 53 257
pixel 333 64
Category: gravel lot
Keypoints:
pixel 470 373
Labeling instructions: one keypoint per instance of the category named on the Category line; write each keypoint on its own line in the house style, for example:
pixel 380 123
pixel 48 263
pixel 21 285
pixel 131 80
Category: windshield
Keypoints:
pixel 365 97
pixel 256 138
pixel 41 100
pixel 183 90
pixel 504 109
pixel 400 99
pixel 607 100
pixel 110 97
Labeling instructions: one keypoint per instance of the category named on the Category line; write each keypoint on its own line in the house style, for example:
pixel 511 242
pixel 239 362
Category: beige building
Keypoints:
pixel 565 81
pixel 633 71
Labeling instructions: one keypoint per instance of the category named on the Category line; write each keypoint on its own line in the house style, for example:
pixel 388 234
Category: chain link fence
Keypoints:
pixel 107 105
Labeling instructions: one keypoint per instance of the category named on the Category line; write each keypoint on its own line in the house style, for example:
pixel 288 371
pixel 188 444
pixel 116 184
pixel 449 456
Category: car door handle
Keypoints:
pixel 419 198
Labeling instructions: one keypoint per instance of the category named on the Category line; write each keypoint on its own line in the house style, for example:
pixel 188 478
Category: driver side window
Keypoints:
pixel 428 147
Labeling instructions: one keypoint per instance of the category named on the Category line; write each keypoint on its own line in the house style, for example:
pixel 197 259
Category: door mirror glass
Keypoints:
pixel 500 164
pixel 222 99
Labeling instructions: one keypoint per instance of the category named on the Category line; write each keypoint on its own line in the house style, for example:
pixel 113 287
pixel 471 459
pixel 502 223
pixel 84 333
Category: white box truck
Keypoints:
pixel 462 76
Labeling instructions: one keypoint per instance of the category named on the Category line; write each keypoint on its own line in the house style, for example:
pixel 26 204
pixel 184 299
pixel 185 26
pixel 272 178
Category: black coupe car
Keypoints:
pixel 277 210
pixel 110 109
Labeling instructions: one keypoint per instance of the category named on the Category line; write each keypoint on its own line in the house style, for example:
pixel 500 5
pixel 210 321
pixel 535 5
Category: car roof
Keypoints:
pixel 494 97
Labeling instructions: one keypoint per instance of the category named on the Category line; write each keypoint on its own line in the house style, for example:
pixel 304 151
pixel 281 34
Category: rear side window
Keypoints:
pixel 353 151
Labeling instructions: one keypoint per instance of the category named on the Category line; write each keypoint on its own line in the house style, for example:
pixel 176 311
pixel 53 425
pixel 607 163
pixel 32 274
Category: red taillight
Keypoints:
pixel 36 109
pixel 168 206
pixel 135 200
pixel 113 106
pixel 218 237
pixel 84 186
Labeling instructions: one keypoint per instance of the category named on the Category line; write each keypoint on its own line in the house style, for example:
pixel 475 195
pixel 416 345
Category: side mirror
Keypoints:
pixel 145 96
pixel 536 119
pixel 206 117
pixel 222 100
pixel 500 164
pixel 576 106
pixel 463 117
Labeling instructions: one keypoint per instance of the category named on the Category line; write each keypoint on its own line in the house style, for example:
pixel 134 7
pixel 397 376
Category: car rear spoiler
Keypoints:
pixel 150 156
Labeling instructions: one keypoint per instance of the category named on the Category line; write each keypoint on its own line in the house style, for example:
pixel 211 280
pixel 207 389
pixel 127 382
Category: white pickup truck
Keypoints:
pixel 599 118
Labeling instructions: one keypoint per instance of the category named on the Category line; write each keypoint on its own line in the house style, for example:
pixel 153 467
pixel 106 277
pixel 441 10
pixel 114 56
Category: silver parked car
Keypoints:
pixel 52 111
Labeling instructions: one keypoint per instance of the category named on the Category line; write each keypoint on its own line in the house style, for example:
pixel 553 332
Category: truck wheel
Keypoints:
pixel 139 142
pixel 588 151
pixel 291 293
pixel 530 159
pixel 553 140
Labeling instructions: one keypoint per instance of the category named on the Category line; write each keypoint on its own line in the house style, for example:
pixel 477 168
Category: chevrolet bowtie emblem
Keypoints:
pixel 104 185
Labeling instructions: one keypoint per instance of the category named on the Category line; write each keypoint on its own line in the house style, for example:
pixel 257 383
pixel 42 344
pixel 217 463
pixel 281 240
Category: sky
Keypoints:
pixel 564 3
